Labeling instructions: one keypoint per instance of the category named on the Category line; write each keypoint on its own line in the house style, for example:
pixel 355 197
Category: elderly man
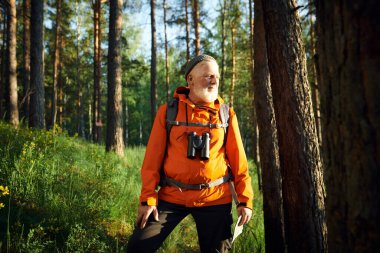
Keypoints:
pixel 195 159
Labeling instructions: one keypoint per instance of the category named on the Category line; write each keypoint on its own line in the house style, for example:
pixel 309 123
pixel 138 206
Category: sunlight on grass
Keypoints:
pixel 69 194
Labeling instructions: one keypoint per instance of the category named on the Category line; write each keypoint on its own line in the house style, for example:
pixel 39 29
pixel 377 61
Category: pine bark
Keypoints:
pixel 349 63
pixel 114 140
pixel 97 119
pixel 196 27
pixel 187 31
pixel 268 141
pixel 56 64
pixel 233 67
pixel 12 109
pixel 3 64
pixel 153 63
pixel 26 56
pixel 167 77
pixel 223 42
pixel 302 177
pixel 37 99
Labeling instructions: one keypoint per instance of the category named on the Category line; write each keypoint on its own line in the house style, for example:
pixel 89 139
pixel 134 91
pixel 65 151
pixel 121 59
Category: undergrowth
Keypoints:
pixel 63 194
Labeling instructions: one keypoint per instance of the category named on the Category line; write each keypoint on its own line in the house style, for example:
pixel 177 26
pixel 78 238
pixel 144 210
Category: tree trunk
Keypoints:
pixel 255 135
pixel 187 31
pixel 167 79
pixel 268 142
pixel 223 66
pixel 114 140
pixel 196 27
pixel 12 66
pixel 37 99
pixel 60 98
pixel 349 63
pixel 153 64
pixel 56 63
pixel 26 55
pixel 97 120
pixel 302 180
pixel 314 84
pixel 233 56
pixel 3 64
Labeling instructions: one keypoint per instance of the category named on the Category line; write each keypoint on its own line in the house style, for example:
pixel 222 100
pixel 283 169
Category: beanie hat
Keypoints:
pixel 197 59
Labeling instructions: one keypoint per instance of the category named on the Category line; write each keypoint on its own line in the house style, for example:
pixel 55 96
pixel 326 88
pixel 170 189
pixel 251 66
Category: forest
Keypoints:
pixel 81 81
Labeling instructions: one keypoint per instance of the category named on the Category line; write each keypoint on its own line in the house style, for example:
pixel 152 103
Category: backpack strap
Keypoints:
pixel 171 115
pixel 224 114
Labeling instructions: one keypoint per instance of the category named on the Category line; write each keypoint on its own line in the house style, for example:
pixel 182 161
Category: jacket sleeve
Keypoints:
pixel 238 162
pixel 153 160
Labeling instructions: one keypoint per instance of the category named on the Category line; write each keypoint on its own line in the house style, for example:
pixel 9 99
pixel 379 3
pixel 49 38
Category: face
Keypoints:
pixel 203 81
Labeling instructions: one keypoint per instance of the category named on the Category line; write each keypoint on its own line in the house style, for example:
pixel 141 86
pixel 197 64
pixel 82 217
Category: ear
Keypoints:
pixel 189 79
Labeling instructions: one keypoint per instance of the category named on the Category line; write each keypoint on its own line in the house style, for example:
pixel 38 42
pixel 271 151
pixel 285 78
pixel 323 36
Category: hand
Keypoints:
pixel 245 213
pixel 144 213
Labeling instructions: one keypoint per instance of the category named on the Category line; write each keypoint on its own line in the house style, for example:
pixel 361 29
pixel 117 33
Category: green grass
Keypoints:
pixel 67 195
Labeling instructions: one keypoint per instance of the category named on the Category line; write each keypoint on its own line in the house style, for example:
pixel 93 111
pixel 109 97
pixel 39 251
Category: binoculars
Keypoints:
pixel 197 142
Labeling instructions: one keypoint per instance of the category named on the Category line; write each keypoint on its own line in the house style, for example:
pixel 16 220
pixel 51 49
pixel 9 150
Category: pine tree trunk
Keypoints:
pixel 233 56
pixel 12 66
pixel 56 63
pixel 349 63
pixel 3 64
pixel 223 66
pixel 153 64
pixel 302 177
pixel 167 79
pixel 187 31
pixel 255 135
pixel 97 120
pixel 268 142
pixel 26 55
pixel 196 27
pixel 37 99
pixel 114 140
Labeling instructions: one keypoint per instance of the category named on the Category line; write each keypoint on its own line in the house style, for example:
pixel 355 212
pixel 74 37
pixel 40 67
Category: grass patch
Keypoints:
pixel 67 195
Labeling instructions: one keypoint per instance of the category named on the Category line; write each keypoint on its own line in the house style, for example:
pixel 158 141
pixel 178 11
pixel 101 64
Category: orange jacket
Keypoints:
pixel 178 167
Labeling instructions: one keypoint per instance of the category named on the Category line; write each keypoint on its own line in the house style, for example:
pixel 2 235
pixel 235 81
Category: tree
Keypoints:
pixel 26 55
pixel 56 64
pixel 97 119
pixel 348 50
pixel 167 77
pixel 3 62
pixel 302 180
pixel 195 12
pixel 12 110
pixel 187 31
pixel 268 143
pixel 37 99
pixel 153 63
pixel 223 46
pixel 114 140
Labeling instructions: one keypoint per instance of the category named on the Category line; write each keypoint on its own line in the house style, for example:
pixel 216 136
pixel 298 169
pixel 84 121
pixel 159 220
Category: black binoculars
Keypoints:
pixel 197 142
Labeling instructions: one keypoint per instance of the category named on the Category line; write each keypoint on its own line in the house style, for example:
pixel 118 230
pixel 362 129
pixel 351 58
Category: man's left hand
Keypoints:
pixel 245 213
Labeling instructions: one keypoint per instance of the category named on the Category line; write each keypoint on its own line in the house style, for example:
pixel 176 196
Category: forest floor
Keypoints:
pixel 68 195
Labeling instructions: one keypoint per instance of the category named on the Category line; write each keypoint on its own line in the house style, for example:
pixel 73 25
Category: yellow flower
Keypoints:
pixel 4 190
pixel 1 205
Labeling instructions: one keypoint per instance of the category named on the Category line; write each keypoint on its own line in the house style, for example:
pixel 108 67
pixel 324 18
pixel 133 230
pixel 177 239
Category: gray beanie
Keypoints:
pixel 193 62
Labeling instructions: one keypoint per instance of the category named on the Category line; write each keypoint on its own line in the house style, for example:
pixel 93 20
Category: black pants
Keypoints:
pixel 213 226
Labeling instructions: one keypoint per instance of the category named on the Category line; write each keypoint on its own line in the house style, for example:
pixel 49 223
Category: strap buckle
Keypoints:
pixel 203 186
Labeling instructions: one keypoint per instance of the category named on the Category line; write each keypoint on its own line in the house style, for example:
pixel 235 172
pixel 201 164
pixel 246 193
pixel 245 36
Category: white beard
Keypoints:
pixel 206 95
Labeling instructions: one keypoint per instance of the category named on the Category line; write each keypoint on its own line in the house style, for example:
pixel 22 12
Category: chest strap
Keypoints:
pixel 219 181
pixel 178 123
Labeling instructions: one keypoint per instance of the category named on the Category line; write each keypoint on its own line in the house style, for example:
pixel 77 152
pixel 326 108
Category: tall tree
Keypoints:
pixel 187 31
pixel 268 142
pixel 303 188
pixel 223 45
pixel 97 119
pixel 37 99
pixel 56 64
pixel 349 62
pixel 234 11
pixel 12 110
pixel 167 78
pixel 26 55
pixel 195 6
pixel 3 61
pixel 153 62
pixel 114 140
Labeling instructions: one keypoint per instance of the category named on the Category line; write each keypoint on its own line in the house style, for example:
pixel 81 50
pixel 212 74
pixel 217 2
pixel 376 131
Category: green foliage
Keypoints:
pixel 67 195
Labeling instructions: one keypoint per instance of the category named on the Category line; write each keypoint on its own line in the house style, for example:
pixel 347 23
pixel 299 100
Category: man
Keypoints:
pixel 196 151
